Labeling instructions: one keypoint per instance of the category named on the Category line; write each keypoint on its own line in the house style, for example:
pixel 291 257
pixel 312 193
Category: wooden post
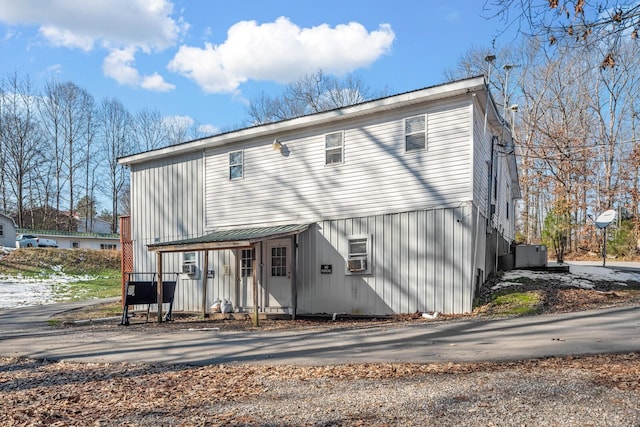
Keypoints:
pixel 292 266
pixel 256 317
pixel 160 287
pixel 205 276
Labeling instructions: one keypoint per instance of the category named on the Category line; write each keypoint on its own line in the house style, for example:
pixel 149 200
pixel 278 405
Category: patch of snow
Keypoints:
pixel 20 291
pixel 579 276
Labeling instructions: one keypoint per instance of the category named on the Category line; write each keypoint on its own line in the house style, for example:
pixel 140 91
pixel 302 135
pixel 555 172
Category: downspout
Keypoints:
pixel 475 244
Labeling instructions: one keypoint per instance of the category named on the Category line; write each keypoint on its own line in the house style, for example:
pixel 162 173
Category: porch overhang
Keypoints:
pixel 237 238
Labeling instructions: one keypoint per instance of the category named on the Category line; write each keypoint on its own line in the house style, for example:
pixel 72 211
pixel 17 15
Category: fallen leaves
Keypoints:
pixel 40 393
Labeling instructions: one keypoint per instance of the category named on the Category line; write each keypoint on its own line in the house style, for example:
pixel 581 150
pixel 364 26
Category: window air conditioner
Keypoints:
pixel 357 264
pixel 189 269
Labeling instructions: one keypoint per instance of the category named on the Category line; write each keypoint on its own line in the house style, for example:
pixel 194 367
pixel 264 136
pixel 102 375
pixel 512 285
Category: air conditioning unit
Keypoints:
pixel 189 269
pixel 357 264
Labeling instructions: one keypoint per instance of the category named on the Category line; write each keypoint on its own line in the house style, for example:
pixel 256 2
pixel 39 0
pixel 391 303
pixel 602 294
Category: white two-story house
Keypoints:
pixel 397 205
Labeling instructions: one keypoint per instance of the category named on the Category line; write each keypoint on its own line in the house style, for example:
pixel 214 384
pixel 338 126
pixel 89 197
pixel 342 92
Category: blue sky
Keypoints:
pixel 204 59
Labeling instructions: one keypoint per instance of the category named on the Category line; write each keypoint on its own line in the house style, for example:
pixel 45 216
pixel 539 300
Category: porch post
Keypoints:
pixel 205 276
pixel 294 287
pixel 256 317
pixel 160 287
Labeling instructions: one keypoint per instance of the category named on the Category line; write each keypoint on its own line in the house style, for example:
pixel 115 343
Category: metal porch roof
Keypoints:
pixel 228 239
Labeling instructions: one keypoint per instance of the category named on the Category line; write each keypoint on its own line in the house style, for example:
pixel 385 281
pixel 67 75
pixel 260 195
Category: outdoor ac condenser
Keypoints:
pixel 530 256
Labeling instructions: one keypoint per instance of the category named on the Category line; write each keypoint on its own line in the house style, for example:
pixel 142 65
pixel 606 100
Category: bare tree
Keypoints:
pixel 579 23
pixel 150 130
pixel 22 140
pixel 114 132
pixel 310 94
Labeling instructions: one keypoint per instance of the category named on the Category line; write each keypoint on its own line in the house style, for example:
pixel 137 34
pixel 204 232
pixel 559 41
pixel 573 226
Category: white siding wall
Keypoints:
pixel 166 204
pixel 483 134
pixel 8 237
pixel 481 158
pixel 377 175
pixel 421 261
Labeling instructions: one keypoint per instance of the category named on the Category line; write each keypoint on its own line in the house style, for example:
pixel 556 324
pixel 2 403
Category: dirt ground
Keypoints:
pixel 589 390
pixel 553 299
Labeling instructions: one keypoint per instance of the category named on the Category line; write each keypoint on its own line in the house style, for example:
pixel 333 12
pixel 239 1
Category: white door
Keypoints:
pixel 245 297
pixel 279 273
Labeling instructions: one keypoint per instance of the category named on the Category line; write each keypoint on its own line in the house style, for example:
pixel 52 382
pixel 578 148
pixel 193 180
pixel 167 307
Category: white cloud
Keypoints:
pixel 146 24
pixel 65 38
pixel 280 51
pixel 118 65
pixel 122 26
pixel 208 129
pixel 156 83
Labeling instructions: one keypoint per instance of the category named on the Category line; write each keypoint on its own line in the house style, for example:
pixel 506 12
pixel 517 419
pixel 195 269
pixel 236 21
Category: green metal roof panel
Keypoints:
pixel 250 235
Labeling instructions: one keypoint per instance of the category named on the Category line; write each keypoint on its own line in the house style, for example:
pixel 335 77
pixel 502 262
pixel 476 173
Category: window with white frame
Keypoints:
pixel 189 264
pixel 333 147
pixel 247 258
pixel 279 262
pixel 236 165
pixel 75 245
pixel 415 133
pixel 107 246
pixel 359 256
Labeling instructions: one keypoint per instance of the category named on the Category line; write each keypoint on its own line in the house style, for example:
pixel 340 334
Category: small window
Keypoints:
pixel 188 257
pixel 75 245
pixel 107 247
pixel 359 256
pixel 1 230
pixel 333 144
pixel 236 165
pixel 415 136
pixel 247 262
pixel 279 261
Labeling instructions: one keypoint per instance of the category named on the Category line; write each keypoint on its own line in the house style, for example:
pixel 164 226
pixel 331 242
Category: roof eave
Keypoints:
pixel 273 129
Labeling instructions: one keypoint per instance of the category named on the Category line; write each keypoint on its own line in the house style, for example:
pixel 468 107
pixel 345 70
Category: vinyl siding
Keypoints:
pixel 377 175
pixel 166 204
pixel 421 261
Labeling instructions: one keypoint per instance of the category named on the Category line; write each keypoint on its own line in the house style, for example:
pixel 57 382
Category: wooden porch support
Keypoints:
pixel 160 286
pixel 256 316
pixel 294 287
pixel 205 276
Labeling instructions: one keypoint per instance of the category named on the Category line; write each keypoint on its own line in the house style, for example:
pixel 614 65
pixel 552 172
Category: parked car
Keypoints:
pixel 31 241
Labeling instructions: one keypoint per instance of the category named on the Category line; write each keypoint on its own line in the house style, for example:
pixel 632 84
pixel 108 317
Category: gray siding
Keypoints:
pixel 166 204
pixel 377 175
pixel 421 261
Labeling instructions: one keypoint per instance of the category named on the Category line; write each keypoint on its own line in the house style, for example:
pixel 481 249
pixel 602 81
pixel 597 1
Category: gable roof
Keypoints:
pixel 446 90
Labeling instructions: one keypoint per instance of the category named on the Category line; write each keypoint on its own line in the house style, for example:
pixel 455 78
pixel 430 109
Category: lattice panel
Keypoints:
pixel 126 255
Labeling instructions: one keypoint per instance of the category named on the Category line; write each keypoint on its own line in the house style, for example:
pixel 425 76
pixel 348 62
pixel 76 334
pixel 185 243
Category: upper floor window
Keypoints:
pixel 236 165
pixel 333 145
pixel 415 135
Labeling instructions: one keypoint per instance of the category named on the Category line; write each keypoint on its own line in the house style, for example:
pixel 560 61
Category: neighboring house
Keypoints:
pixel 396 205
pixel 93 225
pixel 78 240
pixel 7 231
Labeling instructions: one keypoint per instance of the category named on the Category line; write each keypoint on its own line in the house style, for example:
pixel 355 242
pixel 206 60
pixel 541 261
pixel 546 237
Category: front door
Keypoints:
pixel 279 273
